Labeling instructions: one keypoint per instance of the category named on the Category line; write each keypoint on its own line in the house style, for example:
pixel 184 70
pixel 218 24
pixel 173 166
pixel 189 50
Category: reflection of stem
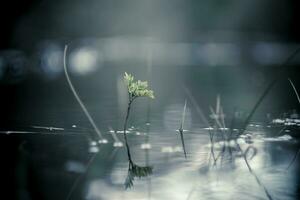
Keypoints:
pixel 211 136
pixel 259 101
pixel 231 133
pixel 293 160
pixel 76 182
pixel 86 112
pixel 190 193
pixel 182 141
pixel 252 172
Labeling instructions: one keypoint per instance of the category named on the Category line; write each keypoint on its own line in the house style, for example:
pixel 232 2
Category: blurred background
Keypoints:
pixel 230 48
pixel 233 48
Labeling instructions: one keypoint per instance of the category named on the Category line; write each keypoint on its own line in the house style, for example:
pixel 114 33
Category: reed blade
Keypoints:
pixel 298 151
pixel 181 129
pixel 86 112
pixel 295 90
pixel 182 141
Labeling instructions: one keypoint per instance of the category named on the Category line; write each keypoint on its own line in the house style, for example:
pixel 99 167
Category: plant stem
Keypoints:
pixel 125 128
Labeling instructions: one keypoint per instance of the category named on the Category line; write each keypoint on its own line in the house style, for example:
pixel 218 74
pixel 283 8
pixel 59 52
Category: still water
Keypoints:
pixel 61 162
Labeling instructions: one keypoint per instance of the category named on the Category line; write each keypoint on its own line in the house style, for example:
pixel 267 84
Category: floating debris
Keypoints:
pixel 16 132
pixel 50 128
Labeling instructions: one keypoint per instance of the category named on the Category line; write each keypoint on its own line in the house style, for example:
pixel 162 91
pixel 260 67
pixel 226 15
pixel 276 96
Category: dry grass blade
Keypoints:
pixel 298 151
pixel 295 90
pixel 86 112
pixel 181 129
pixel 268 89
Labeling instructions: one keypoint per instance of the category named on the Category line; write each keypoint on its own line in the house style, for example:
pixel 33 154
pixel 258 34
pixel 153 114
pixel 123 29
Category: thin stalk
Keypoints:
pixel 264 94
pixel 231 133
pixel 212 152
pixel 195 104
pixel 81 176
pixel 293 160
pixel 125 128
pixel 223 118
pixel 298 151
pixel 182 141
pixel 215 116
pixel 268 89
pixel 181 129
pixel 295 90
pixel 86 112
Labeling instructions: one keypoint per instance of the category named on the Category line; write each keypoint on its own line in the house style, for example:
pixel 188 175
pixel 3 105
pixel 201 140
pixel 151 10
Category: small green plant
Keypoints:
pixel 135 89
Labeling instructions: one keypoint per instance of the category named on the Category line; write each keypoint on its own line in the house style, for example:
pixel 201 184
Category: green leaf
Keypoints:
pixel 137 88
